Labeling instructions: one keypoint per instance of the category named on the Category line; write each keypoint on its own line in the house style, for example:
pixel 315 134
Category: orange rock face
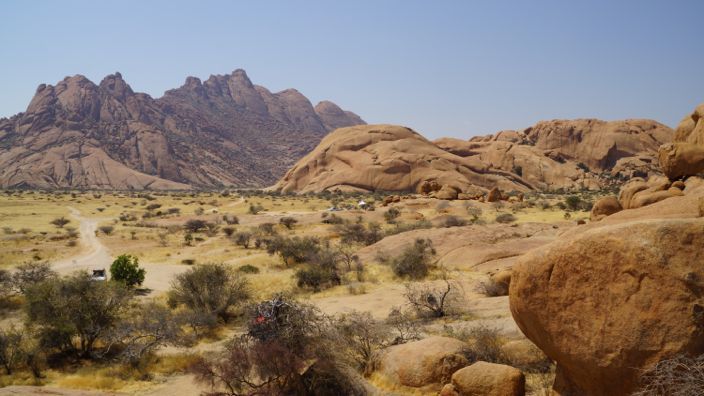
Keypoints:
pixel 613 300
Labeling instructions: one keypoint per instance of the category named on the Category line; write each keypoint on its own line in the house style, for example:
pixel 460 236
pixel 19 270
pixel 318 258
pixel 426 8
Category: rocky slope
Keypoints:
pixel 221 132
pixel 551 155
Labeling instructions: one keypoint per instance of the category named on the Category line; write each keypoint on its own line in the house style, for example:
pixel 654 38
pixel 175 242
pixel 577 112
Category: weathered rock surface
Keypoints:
pixel 685 155
pixel 429 361
pixel 389 158
pixel 487 379
pixel 569 154
pixel 221 132
pixel 605 206
pixel 614 299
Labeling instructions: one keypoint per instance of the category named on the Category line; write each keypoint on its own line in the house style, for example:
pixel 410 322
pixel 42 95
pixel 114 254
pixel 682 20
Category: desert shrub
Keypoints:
pixel 211 229
pixel 404 227
pixel 144 329
pixel 678 376
pixel 228 231
pixel 73 313
pixel 153 206
pixel 454 221
pixel 322 270
pixel 248 269
pixel 29 274
pixel 199 211
pixel 332 219
pixel 188 239
pixel 414 261
pixel 484 343
pixel 195 225
pixel 211 289
pixel 11 354
pixel 230 219
pixel 435 301
pixel 255 208
pixel 403 326
pixel 188 261
pixel 391 215
pixel 60 222
pixel 243 238
pixel 288 350
pixel 574 202
pixel 293 250
pixel 505 218
pixel 173 211
pixel 126 269
pixel 358 233
pixel 288 222
pixel 362 338
pixel 127 217
pixel 491 288
pixel 106 229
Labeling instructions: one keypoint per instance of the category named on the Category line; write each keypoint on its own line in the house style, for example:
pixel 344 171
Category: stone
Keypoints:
pixel 612 301
pixel 489 379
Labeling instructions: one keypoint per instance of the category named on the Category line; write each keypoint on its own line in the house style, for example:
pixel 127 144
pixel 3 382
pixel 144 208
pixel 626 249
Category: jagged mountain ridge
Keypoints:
pixel 224 131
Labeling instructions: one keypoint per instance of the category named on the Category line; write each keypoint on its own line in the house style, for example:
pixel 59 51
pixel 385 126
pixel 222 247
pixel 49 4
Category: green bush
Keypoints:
pixel 415 261
pixel 248 269
pixel 126 269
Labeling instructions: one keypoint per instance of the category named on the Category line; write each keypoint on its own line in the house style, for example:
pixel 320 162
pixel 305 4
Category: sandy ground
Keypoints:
pixel 96 256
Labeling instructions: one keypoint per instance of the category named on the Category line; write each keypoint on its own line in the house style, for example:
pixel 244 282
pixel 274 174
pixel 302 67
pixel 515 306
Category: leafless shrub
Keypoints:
pixel 679 376
pixel 403 326
pixel 485 342
pixel 106 229
pixel 435 301
pixel 363 337
pixel 492 288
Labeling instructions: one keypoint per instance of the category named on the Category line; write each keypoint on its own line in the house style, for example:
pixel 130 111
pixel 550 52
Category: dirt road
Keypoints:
pixel 96 256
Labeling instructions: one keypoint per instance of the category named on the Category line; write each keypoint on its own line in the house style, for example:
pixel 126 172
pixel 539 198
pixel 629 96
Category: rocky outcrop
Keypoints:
pixel 569 154
pixel 599 144
pixel 685 155
pixel 613 300
pixel 430 361
pixel 486 379
pixel 221 132
pixel 389 158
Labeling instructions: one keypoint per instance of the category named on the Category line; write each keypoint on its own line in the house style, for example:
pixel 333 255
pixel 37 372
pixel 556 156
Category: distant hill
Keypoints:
pixel 224 131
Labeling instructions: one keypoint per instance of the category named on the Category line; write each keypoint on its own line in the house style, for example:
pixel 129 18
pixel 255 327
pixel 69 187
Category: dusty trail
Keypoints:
pixel 97 256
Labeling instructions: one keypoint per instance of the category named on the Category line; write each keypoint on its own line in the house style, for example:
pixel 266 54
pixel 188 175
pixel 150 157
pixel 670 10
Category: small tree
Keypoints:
pixel 363 338
pixel 29 274
pixel 415 260
pixel 288 222
pixel 212 289
pixel 106 229
pixel 195 225
pixel 60 222
pixel 126 269
pixel 75 308
pixel 188 239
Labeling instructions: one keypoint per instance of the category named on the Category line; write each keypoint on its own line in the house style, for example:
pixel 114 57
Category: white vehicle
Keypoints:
pixel 99 275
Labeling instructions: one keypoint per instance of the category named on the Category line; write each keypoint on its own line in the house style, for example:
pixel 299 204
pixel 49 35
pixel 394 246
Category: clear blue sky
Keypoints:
pixel 445 68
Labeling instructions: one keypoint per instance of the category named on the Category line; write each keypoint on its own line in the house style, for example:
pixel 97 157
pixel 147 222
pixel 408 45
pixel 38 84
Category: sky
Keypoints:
pixel 443 68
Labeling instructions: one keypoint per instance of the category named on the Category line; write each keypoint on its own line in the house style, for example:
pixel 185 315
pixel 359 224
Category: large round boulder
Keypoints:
pixel 487 379
pixel 612 301
pixel 679 160
pixel 430 361
pixel 604 207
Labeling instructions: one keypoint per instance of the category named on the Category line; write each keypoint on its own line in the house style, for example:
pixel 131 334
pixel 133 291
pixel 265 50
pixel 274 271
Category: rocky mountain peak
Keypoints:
pixel 115 86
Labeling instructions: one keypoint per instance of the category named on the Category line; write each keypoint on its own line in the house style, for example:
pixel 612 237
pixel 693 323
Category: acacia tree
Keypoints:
pixel 75 308
pixel 210 289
